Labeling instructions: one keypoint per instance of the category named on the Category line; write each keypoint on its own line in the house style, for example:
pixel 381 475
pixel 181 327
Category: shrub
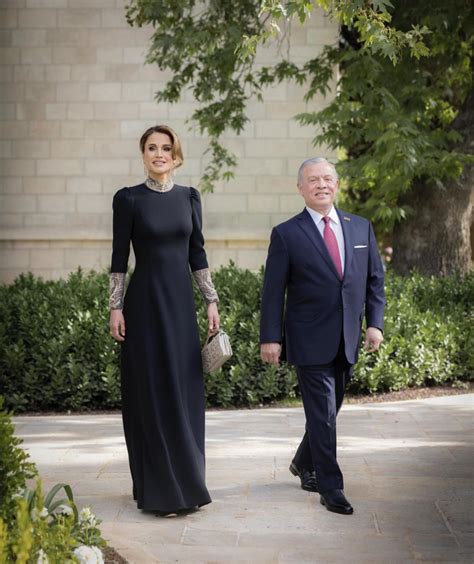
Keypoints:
pixel 15 469
pixel 56 351
pixel 428 335
pixel 35 528
pixel 46 531
pixel 244 380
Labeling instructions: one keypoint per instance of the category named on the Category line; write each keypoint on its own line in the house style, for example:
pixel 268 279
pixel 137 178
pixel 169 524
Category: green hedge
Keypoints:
pixel 56 351
pixel 429 335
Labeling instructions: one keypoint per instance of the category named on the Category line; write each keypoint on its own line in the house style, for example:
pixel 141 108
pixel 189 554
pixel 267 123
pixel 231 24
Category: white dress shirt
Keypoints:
pixel 335 225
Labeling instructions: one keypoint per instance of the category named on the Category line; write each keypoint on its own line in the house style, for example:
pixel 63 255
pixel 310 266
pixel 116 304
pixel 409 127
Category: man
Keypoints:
pixel 327 265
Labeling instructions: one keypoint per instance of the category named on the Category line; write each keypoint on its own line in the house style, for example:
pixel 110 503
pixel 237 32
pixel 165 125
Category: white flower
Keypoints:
pixel 85 513
pixel 88 555
pixel 35 513
pixel 42 557
pixel 64 510
pixel 87 517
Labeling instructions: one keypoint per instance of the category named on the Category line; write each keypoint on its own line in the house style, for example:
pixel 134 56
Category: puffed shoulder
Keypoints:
pixel 195 195
pixel 123 197
pixel 122 194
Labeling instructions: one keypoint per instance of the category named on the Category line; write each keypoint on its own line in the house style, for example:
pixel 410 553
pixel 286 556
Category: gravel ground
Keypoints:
pixel 412 394
pixel 111 556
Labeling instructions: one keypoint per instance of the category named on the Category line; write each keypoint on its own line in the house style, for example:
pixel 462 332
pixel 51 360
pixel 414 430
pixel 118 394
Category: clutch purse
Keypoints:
pixel 216 351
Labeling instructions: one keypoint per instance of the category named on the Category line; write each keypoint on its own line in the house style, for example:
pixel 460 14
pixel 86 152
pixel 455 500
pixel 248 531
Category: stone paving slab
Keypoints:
pixel 408 472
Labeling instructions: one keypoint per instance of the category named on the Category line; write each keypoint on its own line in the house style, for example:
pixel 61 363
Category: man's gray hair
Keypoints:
pixel 313 161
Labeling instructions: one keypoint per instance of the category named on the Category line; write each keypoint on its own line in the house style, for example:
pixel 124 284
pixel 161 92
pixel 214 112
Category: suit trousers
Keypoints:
pixel 322 389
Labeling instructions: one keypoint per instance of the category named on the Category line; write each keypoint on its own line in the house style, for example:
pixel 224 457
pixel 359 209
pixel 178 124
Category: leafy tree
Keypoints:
pixel 402 113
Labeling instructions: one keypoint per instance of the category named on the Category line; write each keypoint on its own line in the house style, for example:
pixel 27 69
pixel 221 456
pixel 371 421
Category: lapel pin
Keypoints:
pixel 347 218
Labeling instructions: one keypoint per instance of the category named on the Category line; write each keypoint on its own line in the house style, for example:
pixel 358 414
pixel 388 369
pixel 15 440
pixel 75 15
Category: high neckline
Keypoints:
pixel 158 186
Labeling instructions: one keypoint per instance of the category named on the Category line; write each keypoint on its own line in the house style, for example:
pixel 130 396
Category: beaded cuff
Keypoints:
pixel 116 289
pixel 205 285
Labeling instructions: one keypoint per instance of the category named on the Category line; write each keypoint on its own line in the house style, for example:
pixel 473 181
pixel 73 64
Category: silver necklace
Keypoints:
pixel 158 186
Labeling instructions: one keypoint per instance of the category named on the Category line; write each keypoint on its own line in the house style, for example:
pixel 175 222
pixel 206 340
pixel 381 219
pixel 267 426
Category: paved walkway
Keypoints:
pixel 408 469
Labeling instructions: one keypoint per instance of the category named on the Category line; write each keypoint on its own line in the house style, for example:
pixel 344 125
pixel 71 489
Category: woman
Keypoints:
pixel 161 369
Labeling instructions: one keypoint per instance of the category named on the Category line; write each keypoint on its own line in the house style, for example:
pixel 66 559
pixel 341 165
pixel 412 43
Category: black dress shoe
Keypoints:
pixel 336 501
pixel 307 477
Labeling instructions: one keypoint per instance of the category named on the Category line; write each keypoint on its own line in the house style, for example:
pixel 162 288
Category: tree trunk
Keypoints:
pixel 436 239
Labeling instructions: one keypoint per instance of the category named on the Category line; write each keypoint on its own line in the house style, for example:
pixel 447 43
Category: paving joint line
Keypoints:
pixel 446 522
pixel 376 523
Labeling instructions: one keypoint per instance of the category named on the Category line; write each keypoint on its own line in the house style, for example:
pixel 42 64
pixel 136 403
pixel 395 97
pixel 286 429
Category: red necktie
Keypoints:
pixel 332 246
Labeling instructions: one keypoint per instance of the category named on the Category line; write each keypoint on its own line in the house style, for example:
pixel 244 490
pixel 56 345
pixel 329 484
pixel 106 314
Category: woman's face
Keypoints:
pixel 158 156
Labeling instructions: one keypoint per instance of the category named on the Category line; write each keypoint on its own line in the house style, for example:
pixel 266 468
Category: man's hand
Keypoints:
pixel 373 339
pixel 270 352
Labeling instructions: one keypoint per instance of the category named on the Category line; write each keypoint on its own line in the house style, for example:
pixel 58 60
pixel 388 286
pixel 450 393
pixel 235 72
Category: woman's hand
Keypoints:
pixel 213 318
pixel 117 325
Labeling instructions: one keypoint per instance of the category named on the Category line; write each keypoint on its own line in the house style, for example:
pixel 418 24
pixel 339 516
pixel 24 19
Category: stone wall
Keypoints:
pixel 75 97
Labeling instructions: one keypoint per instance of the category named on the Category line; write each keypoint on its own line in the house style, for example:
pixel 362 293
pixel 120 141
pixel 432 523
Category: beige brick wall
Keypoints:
pixel 74 98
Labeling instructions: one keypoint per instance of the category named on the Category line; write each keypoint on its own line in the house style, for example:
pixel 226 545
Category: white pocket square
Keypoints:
pixel 360 246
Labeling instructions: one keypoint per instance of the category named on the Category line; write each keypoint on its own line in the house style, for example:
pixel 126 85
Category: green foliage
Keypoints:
pixel 429 335
pixel 244 379
pixel 56 348
pixel 198 42
pixel 57 352
pixel 404 73
pixel 428 340
pixel 210 47
pixel 395 123
pixel 14 466
pixel 33 526
pixel 46 529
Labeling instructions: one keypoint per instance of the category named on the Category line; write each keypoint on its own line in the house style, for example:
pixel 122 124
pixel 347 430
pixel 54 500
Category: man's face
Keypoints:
pixel 319 187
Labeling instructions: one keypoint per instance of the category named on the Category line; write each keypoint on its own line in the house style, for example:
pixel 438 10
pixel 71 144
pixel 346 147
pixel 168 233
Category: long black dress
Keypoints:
pixel 161 371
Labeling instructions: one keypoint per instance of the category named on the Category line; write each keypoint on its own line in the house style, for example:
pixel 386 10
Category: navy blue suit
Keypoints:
pixel 317 317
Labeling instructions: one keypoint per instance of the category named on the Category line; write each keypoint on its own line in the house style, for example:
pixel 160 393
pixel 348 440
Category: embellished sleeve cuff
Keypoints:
pixel 204 281
pixel 116 290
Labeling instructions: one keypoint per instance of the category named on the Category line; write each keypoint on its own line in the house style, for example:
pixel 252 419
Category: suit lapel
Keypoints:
pixel 305 221
pixel 348 239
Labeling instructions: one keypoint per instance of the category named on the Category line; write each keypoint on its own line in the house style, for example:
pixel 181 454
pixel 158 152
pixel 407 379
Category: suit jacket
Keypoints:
pixel 320 307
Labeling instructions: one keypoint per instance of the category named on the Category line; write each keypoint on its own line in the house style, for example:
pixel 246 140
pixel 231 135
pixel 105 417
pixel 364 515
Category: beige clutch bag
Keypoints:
pixel 216 351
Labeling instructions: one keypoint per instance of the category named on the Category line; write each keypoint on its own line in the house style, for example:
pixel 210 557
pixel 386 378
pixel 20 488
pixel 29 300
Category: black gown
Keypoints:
pixel 161 372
